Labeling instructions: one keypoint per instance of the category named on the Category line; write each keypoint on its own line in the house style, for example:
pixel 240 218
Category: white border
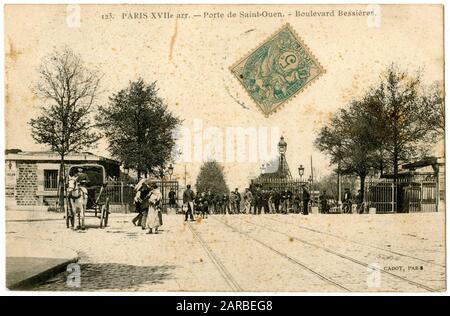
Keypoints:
pixel 4 291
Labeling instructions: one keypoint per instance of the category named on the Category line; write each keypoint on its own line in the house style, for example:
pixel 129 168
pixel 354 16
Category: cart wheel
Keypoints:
pixel 67 211
pixel 104 214
pixel 70 220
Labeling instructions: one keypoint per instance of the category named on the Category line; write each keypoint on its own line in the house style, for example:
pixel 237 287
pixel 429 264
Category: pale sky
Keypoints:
pixel 190 59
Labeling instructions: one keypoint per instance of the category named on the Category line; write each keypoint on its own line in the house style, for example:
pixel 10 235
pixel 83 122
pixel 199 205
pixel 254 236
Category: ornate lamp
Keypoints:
pixel 170 171
pixel 282 146
pixel 301 171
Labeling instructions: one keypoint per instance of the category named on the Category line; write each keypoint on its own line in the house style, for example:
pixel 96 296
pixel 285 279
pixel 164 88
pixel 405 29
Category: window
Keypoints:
pixel 50 180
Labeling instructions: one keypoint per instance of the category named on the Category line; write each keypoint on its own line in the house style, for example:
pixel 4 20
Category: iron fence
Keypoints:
pixel 122 193
pixel 382 196
pixel 387 196
pixel 279 184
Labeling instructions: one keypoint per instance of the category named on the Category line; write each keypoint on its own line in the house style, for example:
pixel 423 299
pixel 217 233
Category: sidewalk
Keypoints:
pixel 18 216
pixel 30 261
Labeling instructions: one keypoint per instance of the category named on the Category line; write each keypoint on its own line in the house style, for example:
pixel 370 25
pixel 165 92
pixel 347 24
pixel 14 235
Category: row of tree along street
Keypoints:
pixel 136 121
pixel 397 120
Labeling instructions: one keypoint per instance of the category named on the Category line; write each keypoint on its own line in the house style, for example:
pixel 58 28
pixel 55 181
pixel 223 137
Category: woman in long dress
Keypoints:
pixel 142 191
pixel 153 218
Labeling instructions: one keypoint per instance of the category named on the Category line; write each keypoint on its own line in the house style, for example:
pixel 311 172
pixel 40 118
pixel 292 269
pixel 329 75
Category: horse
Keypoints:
pixel 78 197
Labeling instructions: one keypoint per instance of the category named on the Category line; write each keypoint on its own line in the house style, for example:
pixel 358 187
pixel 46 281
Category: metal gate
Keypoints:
pixel 382 196
pixel 402 197
pixel 123 194
pixel 421 197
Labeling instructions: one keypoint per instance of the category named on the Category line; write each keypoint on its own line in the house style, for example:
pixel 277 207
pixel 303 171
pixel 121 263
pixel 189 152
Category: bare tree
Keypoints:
pixel 68 91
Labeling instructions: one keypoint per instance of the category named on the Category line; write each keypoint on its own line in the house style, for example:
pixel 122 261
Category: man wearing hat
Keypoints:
pixel 188 201
pixel 82 177
pixel 347 201
pixel 83 180
pixel 238 200
pixel 248 198
pixel 306 198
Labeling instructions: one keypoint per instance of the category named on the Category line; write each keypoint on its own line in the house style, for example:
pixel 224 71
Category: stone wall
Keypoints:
pixel 26 184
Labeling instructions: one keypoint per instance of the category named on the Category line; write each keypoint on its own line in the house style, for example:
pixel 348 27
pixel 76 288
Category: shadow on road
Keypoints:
pixel 108 276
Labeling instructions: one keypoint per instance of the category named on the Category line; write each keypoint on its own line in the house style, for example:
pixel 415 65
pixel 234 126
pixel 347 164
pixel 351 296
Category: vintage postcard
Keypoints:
pixel 224 148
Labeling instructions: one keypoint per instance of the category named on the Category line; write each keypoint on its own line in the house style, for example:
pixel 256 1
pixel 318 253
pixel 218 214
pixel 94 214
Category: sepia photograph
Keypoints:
pixel 224 148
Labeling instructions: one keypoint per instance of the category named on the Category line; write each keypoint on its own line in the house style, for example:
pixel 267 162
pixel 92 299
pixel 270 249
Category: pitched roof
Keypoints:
pixel 53 156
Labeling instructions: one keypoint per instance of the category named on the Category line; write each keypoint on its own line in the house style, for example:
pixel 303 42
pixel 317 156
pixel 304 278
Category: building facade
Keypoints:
pixel 32 177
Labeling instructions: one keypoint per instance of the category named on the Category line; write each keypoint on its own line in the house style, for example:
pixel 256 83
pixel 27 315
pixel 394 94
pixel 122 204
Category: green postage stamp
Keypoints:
pixel 277 70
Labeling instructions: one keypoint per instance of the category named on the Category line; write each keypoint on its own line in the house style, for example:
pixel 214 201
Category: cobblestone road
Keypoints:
pixel 275 253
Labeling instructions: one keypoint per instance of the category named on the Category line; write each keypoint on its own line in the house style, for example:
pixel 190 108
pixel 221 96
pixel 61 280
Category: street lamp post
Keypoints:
pixel 301 171
pixel 170 171
pixel 282 147
pixel 162 173
pixel 126 171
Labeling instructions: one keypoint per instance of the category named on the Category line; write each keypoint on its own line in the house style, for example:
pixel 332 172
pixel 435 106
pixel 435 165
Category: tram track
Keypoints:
pixel 227 276
pixel 286 256
pixel 343 256
pixel 358 243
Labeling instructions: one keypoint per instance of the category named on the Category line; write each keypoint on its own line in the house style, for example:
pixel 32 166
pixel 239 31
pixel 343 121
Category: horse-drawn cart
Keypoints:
pixel 88 197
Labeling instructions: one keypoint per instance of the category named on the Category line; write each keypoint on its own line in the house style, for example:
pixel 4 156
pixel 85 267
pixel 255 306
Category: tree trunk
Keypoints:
pixel 362 184
pixel 395 166
pixel 396 142
pixel 339 183
pixel 139 175
pixel 61 185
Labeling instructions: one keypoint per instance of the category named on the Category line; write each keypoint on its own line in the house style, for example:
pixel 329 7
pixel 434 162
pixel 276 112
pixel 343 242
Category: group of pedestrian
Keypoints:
pixel 347 202
pixel 276 201
pixel 206 203
pixel 148 205
pixel 254 200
